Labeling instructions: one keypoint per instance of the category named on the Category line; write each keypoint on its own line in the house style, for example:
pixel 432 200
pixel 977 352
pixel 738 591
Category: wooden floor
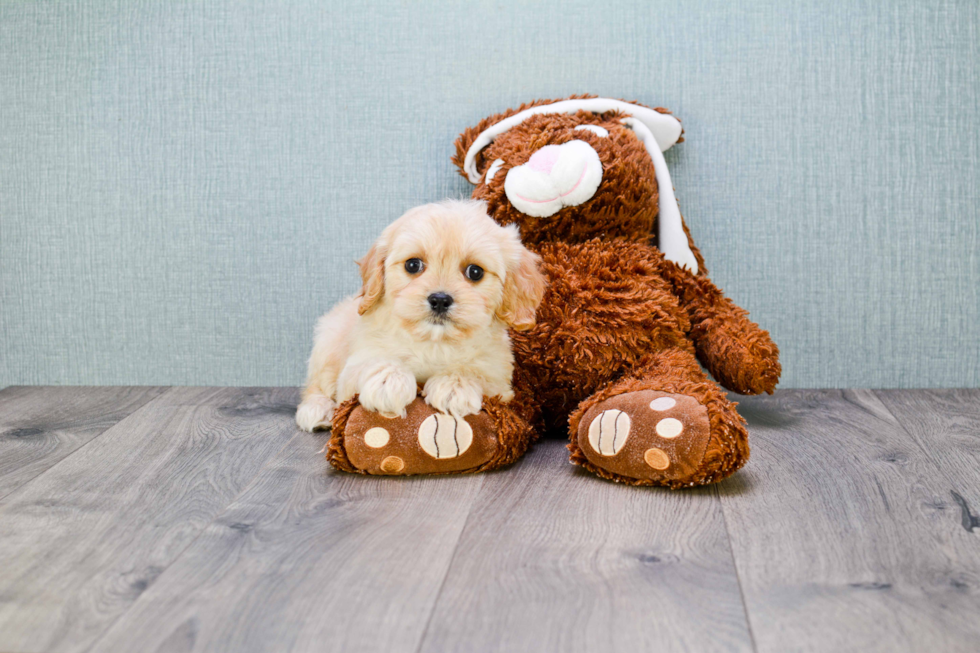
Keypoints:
pixel 180 519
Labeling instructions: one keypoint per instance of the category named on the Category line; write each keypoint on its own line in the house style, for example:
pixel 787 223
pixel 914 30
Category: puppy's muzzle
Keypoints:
pixel 440 302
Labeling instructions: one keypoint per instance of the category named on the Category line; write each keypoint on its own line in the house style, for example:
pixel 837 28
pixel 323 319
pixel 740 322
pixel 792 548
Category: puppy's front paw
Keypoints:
pixel 455 395
pixel 388 389
pixel 315 412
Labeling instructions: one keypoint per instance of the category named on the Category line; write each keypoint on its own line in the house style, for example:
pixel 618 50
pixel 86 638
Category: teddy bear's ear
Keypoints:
pixel 467 138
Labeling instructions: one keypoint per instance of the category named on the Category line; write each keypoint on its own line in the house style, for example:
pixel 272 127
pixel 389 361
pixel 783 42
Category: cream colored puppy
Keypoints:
pixel 441 287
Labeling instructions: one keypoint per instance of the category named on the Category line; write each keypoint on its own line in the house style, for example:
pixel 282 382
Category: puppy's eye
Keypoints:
pixel 473 272
pixel 414 265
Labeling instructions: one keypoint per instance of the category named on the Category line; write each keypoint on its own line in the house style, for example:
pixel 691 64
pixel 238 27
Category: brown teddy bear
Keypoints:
pixel 628 315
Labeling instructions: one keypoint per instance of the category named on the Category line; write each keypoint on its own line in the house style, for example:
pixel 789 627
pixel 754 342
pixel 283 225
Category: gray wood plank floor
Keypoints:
pixel 845 534
pixel 201 519
pixel 40 426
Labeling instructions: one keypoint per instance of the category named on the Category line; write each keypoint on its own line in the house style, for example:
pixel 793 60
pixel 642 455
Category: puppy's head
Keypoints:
pixel 447 270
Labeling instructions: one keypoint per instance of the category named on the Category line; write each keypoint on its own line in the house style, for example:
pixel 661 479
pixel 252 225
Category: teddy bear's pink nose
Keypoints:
pixel 544 159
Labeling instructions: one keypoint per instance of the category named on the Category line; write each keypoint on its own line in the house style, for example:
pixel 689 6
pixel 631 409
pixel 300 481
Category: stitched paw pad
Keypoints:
pixel 646 435
pixel 422 442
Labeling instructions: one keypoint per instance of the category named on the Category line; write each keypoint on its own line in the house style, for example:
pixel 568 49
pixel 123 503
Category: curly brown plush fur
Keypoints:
pixel 618 318
pixel 620 330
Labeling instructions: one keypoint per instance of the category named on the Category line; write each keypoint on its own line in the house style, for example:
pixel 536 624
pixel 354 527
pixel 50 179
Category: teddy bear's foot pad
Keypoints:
pixel 423 442
pixel 646 435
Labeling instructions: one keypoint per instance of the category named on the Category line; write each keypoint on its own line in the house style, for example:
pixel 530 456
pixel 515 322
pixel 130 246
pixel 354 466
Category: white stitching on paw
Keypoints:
pixel 608 431
pixel 445 436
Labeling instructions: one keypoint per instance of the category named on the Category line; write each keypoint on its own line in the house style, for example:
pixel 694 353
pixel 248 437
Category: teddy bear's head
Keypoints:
pixel 577 169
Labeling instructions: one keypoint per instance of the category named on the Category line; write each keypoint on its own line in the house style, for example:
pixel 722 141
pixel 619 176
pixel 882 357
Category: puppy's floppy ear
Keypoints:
pixel 372 276
pixel 524 286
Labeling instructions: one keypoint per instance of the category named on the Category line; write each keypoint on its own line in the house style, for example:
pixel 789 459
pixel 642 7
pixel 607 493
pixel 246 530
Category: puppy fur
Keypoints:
pixel 384 341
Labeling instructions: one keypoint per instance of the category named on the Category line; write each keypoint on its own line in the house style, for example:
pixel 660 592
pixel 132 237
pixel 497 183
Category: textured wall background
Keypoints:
pixel 184 185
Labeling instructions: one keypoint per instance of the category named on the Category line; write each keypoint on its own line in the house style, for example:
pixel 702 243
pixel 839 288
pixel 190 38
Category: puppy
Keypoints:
pixel 441 286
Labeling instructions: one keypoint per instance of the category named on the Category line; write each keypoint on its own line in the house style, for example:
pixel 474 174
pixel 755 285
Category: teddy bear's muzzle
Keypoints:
pixel 554 177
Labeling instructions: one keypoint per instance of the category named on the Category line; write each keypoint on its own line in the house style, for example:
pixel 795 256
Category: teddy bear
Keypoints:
pixel 614 358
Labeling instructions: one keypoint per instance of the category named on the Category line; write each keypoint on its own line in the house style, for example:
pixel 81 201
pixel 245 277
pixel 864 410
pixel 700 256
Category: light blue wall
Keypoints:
pixel 184 185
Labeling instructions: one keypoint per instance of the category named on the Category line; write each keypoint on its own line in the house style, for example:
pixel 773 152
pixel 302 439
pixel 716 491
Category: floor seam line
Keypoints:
pixel 449 567
pixel 738 576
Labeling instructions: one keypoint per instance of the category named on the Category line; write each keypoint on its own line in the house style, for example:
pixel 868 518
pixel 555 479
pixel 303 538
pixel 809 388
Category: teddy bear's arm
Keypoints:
pixel 737 352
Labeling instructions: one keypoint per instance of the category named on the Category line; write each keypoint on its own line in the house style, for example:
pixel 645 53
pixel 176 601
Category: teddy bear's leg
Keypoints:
pixel 426 441
pixel 665 424
pixel 732 347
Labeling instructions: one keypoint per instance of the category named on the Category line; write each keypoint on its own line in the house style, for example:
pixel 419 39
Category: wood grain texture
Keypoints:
pixel 40 426
pixel 307 559
pixel 555 559
pixel 204 521
pixel 79 544
pixel 845 534
pixel 946 426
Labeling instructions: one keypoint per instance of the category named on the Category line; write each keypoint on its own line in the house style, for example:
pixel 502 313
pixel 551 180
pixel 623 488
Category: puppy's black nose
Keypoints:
pixel 440 302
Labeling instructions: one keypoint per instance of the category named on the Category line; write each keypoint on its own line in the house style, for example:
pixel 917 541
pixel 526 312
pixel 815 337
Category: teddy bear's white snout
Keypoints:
pixel 554 177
